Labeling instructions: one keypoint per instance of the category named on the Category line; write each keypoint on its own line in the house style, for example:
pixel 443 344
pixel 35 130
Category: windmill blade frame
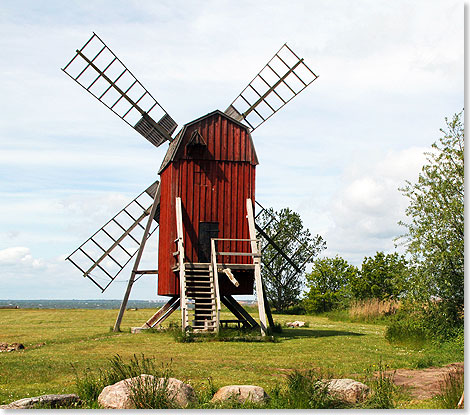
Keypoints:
pixel 107 253
pixel 100 72
pixel 278 82
pixel 293 265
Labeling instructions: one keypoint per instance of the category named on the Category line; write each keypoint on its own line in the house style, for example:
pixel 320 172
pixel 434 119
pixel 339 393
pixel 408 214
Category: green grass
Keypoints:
pixel 82 338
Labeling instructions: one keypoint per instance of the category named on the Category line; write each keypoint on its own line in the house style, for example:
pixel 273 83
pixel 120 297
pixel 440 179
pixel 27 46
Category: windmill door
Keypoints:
pixel 207 230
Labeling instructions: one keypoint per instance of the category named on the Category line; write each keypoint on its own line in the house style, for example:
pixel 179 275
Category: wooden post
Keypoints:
pixel 179 230
pixel 257 261
pixel 215 282
pixel 156 202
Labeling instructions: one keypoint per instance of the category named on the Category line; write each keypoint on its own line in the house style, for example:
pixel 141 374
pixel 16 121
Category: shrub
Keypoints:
pixel 418 323
pixel 407 327
pixel 328 284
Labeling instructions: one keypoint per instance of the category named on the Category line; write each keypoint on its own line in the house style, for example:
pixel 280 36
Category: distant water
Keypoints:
pixel 90 304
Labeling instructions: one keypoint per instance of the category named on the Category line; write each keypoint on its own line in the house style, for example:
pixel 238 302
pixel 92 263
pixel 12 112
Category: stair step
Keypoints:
pixel 207 301
pixel 201 284
pixel 208 284
pixel 204 295
pixel 206 292
pixel 204 324
pixel 198 278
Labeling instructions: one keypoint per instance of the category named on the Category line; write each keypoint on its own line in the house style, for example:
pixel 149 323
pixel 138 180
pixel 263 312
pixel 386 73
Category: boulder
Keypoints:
pixel 296 324
pixel 52 400
pixel 5 347
pixel 241 393
pixel 117 396
pixel 348 390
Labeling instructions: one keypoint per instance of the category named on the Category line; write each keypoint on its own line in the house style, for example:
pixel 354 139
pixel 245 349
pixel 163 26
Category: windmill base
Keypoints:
pixel 243 319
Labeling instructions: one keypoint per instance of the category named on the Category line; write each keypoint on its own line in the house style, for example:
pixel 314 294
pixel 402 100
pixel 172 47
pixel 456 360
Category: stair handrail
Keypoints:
pixel 179 229
pixel 215 276
pixel 214 265
pixel 255 248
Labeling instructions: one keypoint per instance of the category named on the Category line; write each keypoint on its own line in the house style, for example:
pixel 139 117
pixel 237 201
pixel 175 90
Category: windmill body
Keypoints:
pixel 213 177
pixel 203 205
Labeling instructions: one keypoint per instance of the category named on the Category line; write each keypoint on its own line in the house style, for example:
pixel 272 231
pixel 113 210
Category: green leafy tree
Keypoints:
pixel 282 283
pixel 328 284
pixel 435 227
pixel 382 276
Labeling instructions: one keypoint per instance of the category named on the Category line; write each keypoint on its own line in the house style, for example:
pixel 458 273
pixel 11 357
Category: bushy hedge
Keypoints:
pixel 433 321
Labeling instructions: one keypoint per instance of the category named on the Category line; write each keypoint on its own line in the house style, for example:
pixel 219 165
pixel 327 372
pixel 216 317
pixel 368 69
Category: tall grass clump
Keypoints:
pixel 304 390
pixel 372 309
pixel 383 392
pixel 452 387
pixel 151 392
pixel 145 392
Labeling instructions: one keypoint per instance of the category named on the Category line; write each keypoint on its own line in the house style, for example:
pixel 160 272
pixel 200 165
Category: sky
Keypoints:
pixel 389 74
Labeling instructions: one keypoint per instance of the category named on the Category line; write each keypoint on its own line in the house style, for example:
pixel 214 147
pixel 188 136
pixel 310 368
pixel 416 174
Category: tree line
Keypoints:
pixel 428 278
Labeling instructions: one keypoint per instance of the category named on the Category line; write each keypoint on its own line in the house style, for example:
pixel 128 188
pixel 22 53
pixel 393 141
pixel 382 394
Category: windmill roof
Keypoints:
pixel 175 144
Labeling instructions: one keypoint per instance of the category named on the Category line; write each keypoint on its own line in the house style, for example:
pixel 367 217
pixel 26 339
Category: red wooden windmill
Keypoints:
pixel 203 205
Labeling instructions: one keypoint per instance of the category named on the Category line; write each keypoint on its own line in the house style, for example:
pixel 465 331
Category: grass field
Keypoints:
pixel 83 338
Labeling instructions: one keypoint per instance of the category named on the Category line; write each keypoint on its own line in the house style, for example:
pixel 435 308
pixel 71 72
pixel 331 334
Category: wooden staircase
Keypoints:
pixel 200 297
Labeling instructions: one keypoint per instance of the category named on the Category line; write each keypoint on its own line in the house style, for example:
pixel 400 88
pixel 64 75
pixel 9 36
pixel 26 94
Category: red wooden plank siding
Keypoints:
pixel 213 184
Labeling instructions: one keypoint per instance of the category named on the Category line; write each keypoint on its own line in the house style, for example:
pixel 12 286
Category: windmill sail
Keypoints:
pixel 105 254
pixel 280 80
pixel 98 70
pixel 294 253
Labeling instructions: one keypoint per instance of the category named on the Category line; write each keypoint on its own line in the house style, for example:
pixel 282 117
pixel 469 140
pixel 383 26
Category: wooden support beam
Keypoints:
pixel 257 262
pixel 268 310
pixel 163 313
pixel 238 311
pixel 117 325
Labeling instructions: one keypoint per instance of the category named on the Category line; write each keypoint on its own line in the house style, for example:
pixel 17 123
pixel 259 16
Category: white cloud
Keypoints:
pixel 20 256
pixel 368 205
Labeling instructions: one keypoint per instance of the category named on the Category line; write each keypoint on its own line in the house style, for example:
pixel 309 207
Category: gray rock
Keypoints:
pixel 52 400
pixel 117 396
pixel 5 347
pixel 348 390
pixel 241 393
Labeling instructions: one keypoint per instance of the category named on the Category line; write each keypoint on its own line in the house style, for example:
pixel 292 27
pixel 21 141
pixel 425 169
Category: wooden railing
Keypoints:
pixel 215 266
pixel 182 275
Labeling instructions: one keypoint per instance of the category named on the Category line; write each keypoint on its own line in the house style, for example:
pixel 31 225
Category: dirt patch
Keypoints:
pixel 424 383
